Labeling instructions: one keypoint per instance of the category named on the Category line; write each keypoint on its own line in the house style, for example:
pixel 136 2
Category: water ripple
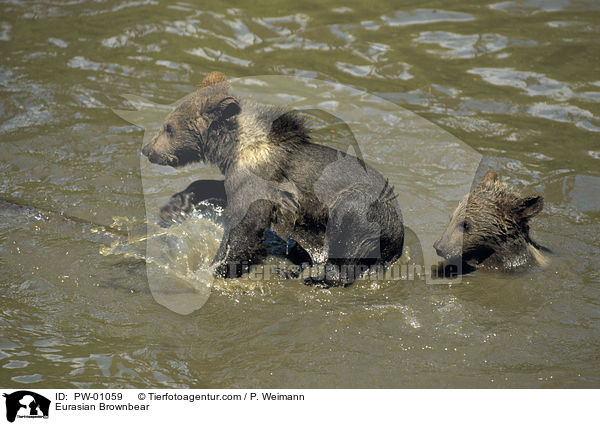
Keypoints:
pixel 425 16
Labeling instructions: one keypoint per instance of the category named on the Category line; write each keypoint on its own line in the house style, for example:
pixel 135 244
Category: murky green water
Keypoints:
pixel 517 81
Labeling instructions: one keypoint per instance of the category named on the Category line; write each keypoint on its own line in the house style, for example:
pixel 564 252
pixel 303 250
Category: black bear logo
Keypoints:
pixel 31 402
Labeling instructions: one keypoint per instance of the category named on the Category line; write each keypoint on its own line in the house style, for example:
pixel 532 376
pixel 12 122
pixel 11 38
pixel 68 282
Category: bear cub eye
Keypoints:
pixel 464 226
pixel 169 129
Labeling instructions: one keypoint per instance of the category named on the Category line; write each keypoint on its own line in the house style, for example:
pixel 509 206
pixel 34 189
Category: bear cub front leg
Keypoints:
pixel 241 245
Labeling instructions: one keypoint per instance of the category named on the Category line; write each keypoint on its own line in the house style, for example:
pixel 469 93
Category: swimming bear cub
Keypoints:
pixel 336 207
pixel 490 229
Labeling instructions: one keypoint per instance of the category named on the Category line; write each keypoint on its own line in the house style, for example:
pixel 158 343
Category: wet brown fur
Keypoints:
pixel 271 168
pixel 490 228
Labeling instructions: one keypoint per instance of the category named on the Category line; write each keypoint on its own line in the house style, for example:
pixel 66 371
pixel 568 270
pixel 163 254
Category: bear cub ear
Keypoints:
pixel 214 78
pixel 489 178
pixel 227 108
pixel 529 206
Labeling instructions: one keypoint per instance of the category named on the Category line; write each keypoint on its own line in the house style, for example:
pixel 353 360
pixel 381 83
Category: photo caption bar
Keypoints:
pixel 50 406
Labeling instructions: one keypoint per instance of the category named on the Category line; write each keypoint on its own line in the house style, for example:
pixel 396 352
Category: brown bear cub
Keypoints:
pixel 277 180
pixel 490 229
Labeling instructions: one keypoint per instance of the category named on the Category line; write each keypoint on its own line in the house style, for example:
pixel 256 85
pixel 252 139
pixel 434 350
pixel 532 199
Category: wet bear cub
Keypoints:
pixel 276 179
pixel 490 229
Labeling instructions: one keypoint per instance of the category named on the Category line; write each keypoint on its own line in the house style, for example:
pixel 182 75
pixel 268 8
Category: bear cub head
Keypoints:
pixel 490 228
pixel 187 132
